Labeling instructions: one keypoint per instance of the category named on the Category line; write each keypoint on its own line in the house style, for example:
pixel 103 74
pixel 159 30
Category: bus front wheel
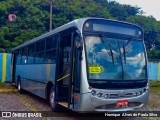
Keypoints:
pixel 52 102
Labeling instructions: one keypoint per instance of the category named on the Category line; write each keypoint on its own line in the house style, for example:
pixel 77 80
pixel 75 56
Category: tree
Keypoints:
pixel 122 12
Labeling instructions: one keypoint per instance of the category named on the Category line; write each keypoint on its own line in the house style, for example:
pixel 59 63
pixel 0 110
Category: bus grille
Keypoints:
pixel 116 95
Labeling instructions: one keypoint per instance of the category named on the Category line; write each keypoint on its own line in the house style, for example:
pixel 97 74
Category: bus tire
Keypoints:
pixel 52 102
pixel 20 90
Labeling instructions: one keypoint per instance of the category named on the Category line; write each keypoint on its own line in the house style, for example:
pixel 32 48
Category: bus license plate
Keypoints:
pixel 122 103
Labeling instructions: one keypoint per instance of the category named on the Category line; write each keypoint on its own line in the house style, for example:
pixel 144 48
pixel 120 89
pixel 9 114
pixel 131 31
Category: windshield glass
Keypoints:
pixel 106 56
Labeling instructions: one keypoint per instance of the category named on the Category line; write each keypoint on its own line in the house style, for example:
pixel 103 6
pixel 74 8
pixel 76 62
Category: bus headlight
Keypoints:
pixel 106 96
pixel 93 92
pixel 134 93
pixel 100 94
pixel 138 93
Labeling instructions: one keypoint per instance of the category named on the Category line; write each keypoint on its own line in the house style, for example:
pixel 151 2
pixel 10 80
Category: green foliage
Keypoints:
pixel 154 55
pixel 33 19
pixel 31 22
pixel 1 85
pixel 122 12
pixel 151 36
pixel 146 22
pixel 66 11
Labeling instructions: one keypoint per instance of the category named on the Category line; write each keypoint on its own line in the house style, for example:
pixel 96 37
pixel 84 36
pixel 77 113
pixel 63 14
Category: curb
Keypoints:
pixel 8 90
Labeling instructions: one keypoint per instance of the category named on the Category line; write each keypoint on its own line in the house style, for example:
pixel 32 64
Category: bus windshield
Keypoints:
pixel 115 59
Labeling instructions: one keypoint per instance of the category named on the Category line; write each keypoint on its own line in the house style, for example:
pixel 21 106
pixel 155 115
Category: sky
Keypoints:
pixel 150 7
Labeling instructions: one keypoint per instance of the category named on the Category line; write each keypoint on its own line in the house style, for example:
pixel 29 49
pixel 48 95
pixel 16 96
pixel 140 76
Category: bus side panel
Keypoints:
pixel 34 77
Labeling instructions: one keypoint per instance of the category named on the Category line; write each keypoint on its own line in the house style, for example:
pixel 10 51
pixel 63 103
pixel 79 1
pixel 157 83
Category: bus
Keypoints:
pixel 89 64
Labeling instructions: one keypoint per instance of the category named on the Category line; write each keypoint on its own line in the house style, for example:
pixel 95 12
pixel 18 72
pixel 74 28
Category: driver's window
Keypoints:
pixel 67 55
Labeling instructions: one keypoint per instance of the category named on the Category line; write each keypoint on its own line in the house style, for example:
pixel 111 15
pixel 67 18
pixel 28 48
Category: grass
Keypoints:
pixel 1 85
pixel 154 83
pixel 155 95
pixel 155 87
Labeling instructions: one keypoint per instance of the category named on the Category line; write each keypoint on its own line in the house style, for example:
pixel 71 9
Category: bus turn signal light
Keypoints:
pixel 76 97
pixel 90 87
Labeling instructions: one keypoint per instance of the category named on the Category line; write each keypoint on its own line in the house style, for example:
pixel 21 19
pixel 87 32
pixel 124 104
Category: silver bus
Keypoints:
pixel 89 64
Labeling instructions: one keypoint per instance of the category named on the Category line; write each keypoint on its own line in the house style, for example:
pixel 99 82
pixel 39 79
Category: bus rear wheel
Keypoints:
pixel 19 87
pixel 52 102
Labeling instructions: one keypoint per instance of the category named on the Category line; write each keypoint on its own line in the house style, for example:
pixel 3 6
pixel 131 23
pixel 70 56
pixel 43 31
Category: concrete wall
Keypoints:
pixel 5 65
pixel 154 71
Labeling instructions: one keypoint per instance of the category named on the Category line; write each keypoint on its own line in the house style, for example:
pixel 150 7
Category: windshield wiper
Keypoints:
pixel 111 53
pixel 124 53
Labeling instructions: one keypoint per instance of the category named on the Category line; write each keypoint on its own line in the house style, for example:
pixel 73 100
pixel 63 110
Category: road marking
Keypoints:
pixel 30 107
pixel 8 90
pixel 4 61
pixel 33 109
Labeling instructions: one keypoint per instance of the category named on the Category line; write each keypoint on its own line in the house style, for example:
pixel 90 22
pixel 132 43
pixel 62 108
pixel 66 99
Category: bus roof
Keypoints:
pixel 78 23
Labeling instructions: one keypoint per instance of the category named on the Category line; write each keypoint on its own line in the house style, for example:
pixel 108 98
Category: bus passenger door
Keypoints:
pixel 13 68
pixel 63 70
pixel 68 71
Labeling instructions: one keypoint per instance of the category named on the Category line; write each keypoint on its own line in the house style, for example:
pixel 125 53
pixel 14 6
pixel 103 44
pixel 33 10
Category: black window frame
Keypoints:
pixel 55 37
pixel 39 50
pixel 24 55
pixel 34 46
pixel 19 56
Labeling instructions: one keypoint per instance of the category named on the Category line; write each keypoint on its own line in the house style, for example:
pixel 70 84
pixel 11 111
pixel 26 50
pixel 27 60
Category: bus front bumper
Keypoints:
pixel 95 103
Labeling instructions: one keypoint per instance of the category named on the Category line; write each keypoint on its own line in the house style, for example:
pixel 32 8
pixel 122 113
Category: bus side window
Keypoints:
pixel 51 43
pixel 67 55
pixel 31 53
pixel 50 53
pixel 24 54
pixel 19 56
pixel 39 57
pixel 50 56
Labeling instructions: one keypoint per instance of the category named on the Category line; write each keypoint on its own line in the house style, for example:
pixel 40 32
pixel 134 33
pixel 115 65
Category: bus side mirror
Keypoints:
pixel 78 40
pixel 78 44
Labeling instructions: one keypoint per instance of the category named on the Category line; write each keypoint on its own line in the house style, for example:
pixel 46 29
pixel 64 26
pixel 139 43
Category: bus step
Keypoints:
pixel 64 104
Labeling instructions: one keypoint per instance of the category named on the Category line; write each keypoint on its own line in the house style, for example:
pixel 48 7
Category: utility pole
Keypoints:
pixel 51 6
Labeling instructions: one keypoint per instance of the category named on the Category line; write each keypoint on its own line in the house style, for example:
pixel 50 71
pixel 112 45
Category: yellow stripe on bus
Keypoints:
pixel 63 77
pixel 4 62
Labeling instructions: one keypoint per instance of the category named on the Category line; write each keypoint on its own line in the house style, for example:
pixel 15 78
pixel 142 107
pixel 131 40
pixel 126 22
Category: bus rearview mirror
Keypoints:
pixel 78 40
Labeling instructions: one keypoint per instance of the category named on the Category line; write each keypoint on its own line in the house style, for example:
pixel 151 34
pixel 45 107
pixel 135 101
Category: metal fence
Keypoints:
pixel 5 68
